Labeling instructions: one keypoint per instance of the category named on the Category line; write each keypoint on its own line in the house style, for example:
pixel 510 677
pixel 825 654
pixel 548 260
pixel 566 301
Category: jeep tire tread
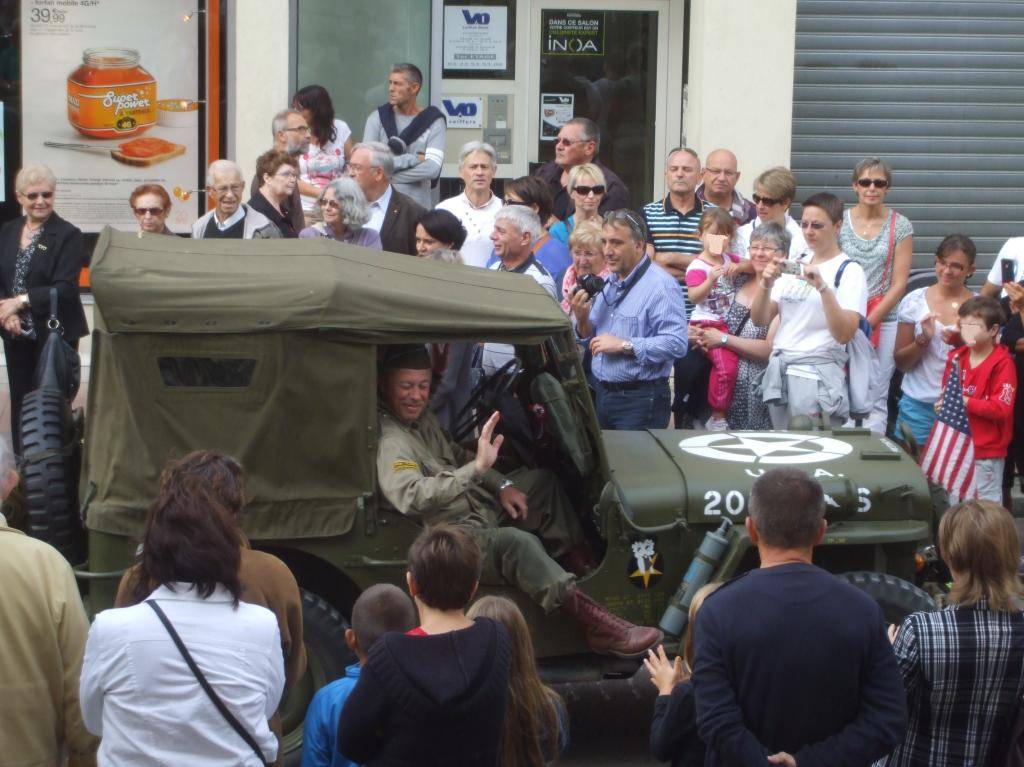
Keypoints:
pixel 897 597
pixel 327 656
pixel 51 484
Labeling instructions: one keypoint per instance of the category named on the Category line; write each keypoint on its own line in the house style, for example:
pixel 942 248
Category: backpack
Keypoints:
pixel 862 367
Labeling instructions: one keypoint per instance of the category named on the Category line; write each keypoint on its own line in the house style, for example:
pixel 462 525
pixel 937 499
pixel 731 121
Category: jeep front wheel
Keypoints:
pixel 327 655
pixel 895 596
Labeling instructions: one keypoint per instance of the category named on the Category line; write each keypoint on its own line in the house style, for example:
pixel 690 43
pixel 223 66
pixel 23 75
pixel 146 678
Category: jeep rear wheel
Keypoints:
pixel 327 655
pixel 895 596
pixel 49 446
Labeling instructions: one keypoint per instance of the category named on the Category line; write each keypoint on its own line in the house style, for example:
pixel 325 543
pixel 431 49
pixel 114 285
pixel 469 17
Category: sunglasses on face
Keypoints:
pixel 877 183
pixel 330 204
pixel 766 201
pixel 570 141
pixel 584 191
pixel 815 225
pixel 151 211
pixel 36 195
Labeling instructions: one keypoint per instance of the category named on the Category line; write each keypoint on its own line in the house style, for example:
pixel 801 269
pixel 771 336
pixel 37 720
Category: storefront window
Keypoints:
pixel 349 48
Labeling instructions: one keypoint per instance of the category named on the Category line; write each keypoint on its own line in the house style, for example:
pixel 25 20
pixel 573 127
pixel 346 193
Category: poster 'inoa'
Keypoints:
pixel 111 101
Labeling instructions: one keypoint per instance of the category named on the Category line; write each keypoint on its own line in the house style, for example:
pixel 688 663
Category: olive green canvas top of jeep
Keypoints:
pixel 257 348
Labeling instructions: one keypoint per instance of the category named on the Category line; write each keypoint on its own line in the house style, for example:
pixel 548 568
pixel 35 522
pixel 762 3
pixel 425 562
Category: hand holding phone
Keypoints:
pixel 1009 268
pixel 792 267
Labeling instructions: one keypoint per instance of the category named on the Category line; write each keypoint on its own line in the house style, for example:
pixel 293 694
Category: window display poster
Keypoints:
pixel 573 33
pixel 556 109
pixel 111 101
pixel 475 37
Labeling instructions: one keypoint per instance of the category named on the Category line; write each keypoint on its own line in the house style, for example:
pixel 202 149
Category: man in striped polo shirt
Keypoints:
pixel 672 223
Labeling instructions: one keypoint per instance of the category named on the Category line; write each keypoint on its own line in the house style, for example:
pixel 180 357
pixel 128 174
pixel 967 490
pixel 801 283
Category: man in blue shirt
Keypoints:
pixel 379 609
pixel 635 328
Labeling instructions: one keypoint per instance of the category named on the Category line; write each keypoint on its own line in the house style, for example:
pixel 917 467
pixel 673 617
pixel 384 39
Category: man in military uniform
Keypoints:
pixel 423 474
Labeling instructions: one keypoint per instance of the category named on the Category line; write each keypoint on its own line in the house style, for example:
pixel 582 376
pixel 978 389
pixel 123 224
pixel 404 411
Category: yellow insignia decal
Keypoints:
pixel 405 465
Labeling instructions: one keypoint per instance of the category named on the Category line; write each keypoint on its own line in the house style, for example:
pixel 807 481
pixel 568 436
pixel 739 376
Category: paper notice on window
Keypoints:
pixel 556 109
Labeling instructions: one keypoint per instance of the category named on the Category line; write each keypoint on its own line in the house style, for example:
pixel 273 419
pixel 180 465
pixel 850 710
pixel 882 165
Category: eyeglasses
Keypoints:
pixel 721 172
pixel 140 212
pixel 768 202
pixel 36 195
pixel 507 201
pixel 763 249
pixel 877 183
pixel 571 141
pixel 299 129
pixel 953 267
pixel 286 174
pixel 585 191
pixel 330 204
pixel 232 188
pixel 973 325
pixel 815 225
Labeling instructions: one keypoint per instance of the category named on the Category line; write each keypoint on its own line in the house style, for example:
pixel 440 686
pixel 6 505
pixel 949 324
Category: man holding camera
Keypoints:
pixel 635 327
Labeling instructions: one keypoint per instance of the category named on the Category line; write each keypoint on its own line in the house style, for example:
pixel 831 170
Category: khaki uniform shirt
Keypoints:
pixel 44 630
pixel 424 474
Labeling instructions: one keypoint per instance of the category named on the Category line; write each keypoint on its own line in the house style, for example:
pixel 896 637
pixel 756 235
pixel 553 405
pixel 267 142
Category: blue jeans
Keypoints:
pixel 645 407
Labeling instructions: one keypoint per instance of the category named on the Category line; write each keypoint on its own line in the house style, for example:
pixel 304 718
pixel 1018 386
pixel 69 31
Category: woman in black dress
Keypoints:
pixel 38 251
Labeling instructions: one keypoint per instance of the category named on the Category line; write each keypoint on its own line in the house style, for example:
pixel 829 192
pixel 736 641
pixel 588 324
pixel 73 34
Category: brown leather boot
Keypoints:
pixel 608 634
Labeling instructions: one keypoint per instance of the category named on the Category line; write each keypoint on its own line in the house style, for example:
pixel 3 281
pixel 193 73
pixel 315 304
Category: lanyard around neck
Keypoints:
pixel 628 286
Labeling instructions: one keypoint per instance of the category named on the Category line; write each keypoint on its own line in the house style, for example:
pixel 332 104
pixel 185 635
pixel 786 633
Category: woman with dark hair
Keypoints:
pixel 535 194
pixel 137 690
pixel 536 722
pixel 151 205
pixel 438 229
pixel 330 144
pixel 963 666
pixel 278 173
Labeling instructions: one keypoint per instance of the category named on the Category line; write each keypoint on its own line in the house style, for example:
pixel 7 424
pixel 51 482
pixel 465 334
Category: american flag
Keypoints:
pixel 949 456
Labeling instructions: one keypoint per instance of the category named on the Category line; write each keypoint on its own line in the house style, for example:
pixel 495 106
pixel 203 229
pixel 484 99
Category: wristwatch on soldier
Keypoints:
pixel 505 483
pixel 627 347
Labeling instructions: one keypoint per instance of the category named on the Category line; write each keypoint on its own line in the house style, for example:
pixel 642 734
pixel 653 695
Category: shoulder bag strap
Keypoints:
pixel 207 688
pixel 420 123
pixel 890 254
pixel 387 120
pixel 839 272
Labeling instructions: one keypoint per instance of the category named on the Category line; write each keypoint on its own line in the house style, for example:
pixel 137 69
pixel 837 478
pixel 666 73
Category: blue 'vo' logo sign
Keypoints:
pixel 462 109
pixel 476 18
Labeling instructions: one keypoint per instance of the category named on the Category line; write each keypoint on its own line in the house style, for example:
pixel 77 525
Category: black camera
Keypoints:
pixel 590 283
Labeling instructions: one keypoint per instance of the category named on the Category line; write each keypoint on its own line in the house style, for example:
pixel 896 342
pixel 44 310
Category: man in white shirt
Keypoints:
pixel 806 373
pixel 1013 251
pixel 392 214
pixel 516 229
pixel 477 206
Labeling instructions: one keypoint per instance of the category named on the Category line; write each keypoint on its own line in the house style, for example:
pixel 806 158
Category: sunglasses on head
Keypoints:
pixel 150 211
pixel 37 195
pixel 583 191
pixel 769 201
pixel 877 183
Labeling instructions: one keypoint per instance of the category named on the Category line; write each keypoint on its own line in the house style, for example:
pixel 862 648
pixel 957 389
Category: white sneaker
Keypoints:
pixel 717 424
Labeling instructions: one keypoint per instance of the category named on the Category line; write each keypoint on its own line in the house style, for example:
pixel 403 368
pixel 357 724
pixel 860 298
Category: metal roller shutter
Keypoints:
pixel 936 88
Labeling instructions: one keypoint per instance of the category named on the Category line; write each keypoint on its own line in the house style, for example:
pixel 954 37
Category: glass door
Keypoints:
pixel 607 61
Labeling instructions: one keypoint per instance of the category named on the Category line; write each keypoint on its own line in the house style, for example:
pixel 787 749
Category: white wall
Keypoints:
pixel 740 93
pixel 257 77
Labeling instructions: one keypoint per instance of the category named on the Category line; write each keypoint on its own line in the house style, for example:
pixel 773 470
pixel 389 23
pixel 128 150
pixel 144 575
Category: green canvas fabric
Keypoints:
pixel 162 284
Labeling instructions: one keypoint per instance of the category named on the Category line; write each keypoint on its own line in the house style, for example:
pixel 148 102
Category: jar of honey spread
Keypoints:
pixel 110 95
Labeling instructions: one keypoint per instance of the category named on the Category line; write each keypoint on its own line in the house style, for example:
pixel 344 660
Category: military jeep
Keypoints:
pixel 268 351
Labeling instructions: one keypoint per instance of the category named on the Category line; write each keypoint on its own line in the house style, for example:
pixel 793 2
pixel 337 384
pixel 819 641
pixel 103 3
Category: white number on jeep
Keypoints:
pixel 713 498
pixel 735 502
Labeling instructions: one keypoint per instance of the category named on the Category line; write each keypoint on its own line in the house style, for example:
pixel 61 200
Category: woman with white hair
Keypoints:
pixel 39 251
pixel 343 207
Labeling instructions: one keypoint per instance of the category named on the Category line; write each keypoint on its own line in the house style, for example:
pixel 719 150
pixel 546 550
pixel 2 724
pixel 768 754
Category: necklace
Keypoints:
pixel 865 225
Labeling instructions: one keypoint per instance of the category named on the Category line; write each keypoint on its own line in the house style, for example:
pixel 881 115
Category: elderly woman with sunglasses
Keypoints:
pixel 151 205
pixel 774 192
pixel 345 211
pixel 586 187
pixel 38 251
pixel 882 242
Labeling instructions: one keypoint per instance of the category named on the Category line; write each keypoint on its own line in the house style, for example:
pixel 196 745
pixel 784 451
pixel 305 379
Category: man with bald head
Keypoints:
pixel 719 186
pixel 230 217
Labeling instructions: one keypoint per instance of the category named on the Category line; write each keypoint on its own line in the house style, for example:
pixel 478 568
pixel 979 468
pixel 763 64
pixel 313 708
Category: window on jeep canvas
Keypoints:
pixel 209 372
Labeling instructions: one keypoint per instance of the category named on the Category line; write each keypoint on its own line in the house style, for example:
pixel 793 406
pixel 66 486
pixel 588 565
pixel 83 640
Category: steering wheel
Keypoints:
pixel 484 399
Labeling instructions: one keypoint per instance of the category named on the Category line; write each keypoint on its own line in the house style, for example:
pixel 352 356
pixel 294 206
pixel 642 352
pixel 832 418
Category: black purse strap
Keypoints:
pixel 54 322
pixel 207 688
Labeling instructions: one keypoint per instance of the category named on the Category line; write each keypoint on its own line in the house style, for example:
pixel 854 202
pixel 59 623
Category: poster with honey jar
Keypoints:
pixel 112 100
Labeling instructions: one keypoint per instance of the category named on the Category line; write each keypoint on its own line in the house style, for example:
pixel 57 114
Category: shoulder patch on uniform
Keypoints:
pixel 398 466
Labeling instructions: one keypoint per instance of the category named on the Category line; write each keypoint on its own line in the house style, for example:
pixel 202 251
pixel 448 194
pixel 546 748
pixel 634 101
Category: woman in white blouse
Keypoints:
pixel 137 691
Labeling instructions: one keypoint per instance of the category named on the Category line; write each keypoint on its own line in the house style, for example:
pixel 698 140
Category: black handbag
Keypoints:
pixel 59 366
pixel 207 688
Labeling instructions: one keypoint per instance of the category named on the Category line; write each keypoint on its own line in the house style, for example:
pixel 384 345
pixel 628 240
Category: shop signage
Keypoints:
pixel 475 37
pixel 464 111
pixel 112 101
pixel 573 33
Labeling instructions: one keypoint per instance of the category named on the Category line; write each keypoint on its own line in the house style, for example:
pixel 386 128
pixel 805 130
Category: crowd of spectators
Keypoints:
pixel 702 309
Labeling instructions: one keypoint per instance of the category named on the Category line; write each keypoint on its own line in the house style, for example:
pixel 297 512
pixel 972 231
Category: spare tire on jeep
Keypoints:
pixel 50 458
pixel 895 596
